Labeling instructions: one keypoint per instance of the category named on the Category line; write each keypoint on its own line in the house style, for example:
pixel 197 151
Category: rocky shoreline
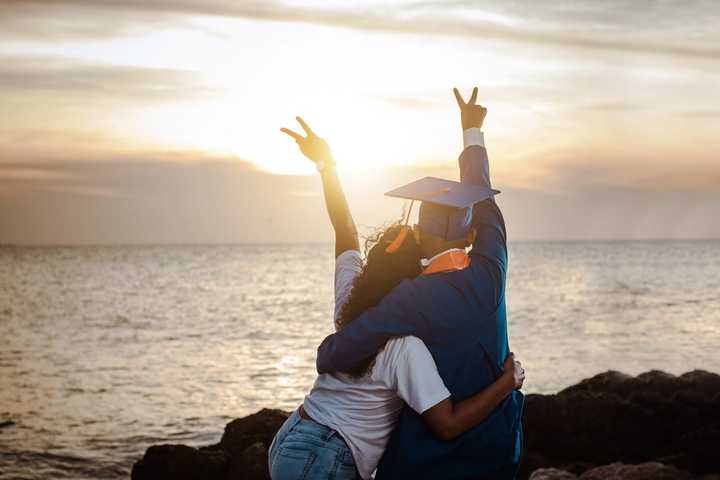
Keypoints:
pixel 611 426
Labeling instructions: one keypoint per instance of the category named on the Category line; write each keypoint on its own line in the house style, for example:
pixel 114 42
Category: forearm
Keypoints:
pixel 487 218
pixel 448 420
pixel 338 211
pixel 475 409
pixel 474 162
pixel 351 347
pixel 317 150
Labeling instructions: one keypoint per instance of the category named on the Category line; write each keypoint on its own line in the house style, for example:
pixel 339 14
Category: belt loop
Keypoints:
pixel 330 434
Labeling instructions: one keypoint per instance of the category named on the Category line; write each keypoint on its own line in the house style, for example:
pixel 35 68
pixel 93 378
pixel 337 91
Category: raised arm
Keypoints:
pixel 490 239
pixel 318 151
pixel 474 167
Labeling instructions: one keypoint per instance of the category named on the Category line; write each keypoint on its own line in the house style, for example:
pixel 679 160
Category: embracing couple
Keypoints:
pixel 417 381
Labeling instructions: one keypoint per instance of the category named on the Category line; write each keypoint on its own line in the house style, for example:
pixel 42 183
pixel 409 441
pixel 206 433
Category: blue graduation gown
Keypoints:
pixel 461 317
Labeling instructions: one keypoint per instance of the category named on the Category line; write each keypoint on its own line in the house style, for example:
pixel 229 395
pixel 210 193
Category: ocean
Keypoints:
pixel 107 350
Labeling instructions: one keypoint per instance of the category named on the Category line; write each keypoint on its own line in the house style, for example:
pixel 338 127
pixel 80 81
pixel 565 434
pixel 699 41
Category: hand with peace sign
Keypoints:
pixel 471 115
pixel 312 146
pixel 317 150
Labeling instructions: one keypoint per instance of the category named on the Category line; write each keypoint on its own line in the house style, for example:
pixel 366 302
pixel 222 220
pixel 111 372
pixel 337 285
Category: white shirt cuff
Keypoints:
pixel 473 136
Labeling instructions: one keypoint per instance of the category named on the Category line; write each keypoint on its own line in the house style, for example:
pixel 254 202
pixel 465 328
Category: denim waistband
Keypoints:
pixel 311 443
pixel 311 427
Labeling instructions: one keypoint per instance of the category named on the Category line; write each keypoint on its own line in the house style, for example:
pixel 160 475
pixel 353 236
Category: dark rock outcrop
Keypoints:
pixel 656 425
pixel 180 462
pixel 552 474
pixel 616 471
pixel 613 417
pixel 240 455
pixel 643 471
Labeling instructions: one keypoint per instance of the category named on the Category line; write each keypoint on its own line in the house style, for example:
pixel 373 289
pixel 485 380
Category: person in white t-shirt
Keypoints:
pixel 343 425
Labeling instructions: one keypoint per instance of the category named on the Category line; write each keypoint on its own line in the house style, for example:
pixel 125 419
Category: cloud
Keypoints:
pixel 17 173
pixel 603 213
pixel 152 200
pixel 63 75
pixel 582 170
pixel 683 29
pixel 613 107
pixel 702 114
pixel 52 20
pixel 411 102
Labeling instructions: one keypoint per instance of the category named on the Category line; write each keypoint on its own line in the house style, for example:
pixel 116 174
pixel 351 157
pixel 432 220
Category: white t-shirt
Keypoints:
pixel 365 410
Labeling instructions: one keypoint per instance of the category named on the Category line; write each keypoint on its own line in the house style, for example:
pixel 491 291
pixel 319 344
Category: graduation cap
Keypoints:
pixel 446 209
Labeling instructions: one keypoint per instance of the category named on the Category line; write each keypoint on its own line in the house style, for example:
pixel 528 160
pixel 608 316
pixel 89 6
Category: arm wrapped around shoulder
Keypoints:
pixel 354 345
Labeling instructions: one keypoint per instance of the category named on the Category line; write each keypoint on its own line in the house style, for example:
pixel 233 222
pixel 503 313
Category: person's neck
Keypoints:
pixel 432 253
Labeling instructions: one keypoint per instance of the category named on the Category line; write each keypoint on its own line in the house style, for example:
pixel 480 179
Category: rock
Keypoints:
pixel 643 471
pixel 607 382
pixel 656 424
pixel 250 464
pixel 616 471
pixel 180 462
pixel 702 382
pixel 259 427
pixel 598 428
pixel 701 449
pixel 241 453
pixel 613 417
pixel 552 474
pixel 658 382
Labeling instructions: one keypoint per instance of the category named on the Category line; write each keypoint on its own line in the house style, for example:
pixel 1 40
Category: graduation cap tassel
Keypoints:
pixel 404 229
pixel 407 217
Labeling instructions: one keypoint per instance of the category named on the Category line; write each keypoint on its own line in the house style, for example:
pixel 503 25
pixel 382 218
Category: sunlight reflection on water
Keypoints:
pixel 106 350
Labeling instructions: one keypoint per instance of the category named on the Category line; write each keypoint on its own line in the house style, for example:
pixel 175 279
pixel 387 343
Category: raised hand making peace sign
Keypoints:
pixel 471 115
pixel 312 146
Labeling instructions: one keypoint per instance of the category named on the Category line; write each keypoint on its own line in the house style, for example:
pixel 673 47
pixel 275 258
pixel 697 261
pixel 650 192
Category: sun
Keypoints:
pixel 371 120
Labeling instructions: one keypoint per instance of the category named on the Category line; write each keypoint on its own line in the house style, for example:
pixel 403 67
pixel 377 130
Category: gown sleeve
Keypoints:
pixel 360 341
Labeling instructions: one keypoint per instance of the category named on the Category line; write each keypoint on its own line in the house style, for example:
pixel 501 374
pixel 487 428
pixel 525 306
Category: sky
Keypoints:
pixel 127 121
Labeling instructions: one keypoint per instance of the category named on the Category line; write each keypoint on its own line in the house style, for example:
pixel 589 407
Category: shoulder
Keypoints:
pixel 409 343
pixel 399 352
pixel 410 298
pixel 404 347
pixel 405 296
pixel 414 375
pixel 348 265
pixel 349 259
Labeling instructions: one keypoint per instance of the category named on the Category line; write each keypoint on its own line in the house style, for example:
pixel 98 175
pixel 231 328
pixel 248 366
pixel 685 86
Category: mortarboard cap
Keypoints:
pixel 446 204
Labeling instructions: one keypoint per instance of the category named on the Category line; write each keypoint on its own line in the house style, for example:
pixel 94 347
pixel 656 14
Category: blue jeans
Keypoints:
pixel 303 449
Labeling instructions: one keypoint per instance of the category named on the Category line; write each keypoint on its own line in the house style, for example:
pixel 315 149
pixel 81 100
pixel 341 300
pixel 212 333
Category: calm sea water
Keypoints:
pixel 106 350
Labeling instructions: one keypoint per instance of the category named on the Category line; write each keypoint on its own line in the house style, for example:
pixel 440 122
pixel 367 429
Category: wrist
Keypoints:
pixel 508 381
pixel 473 136
pixel 324 166
pixel 471 124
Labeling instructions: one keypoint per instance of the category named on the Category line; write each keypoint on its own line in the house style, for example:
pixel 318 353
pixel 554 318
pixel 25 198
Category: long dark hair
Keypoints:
pixel 381 273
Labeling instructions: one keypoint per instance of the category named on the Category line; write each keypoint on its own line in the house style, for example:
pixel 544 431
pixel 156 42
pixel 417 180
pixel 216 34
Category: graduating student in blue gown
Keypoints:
pixel 341 429
pixel 457 308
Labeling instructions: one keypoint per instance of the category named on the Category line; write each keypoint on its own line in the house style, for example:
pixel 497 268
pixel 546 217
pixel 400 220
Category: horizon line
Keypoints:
pixel 8 245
